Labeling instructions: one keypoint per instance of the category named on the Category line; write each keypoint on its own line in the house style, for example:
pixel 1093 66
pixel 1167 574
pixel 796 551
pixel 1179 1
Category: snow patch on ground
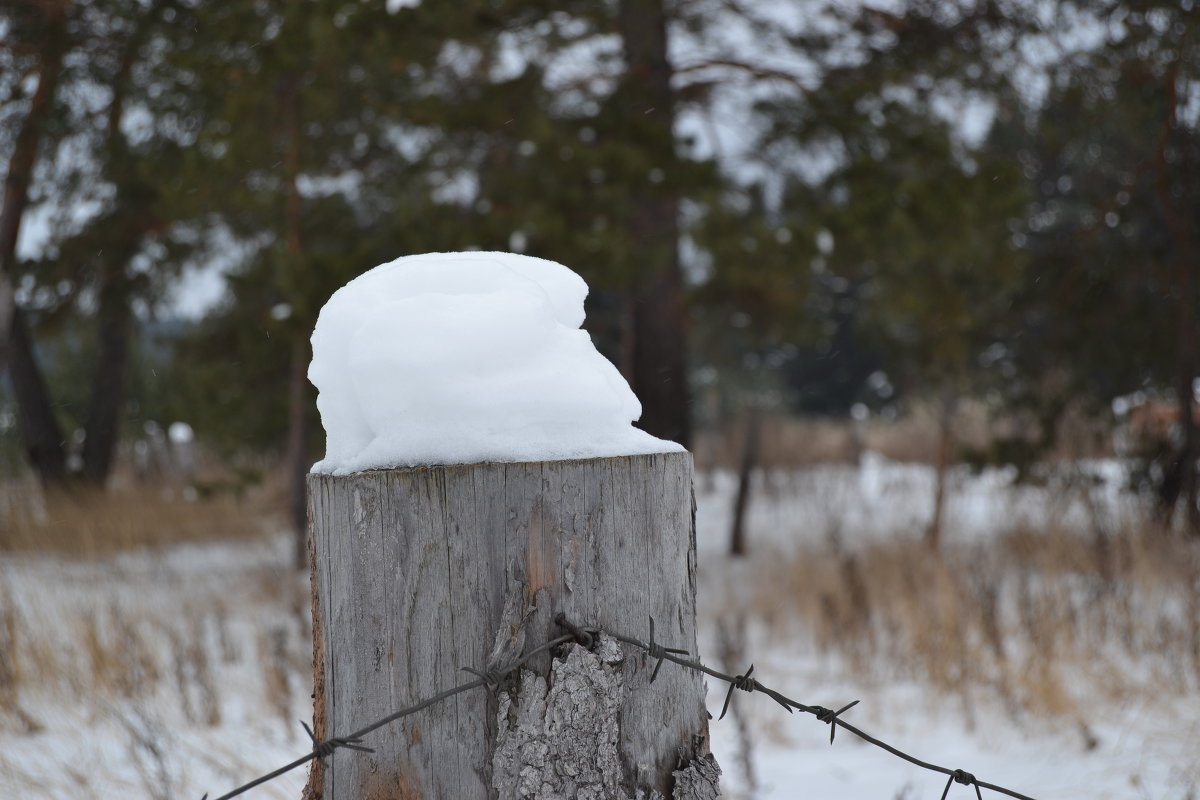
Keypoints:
pixel 880 499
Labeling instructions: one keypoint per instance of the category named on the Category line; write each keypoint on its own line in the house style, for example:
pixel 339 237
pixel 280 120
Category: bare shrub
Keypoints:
pixel 121 658
pixel 192 668
pixel 10 665
pixel 148 749
pixel 277 669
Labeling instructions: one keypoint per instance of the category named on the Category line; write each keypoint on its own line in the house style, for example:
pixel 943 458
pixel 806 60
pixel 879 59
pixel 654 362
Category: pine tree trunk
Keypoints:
pixel 1185 396
pixel 1185 372
pixel 24 155
pixel 658 368
pixel 102 426
pixel 40 430
pixel 296 457
pixel 297 448
pixel 750 450
pixel 134 217
pixel 43 439
pixel 1178 225
pixel 418 573
pixel 945 451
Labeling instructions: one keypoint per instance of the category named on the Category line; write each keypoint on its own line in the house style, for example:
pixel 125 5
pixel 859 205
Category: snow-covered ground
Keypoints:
pixel 155 675
pixel 1132 747
pixel 174 674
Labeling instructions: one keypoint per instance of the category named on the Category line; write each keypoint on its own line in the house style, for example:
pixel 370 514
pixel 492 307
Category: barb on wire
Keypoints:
pixel 658 652
pixel 321 750
pixel 743 682
pixel 959 776
pixel 831 717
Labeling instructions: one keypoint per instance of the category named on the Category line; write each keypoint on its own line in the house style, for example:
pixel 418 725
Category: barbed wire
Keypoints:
pixel 587 637
pixel 488 679
pixel 832 718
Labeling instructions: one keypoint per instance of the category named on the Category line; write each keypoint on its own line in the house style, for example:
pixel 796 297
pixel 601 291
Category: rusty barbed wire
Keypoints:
pixel 587 636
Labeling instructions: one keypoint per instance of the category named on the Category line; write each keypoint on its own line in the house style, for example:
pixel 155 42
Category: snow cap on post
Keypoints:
pixel 459 358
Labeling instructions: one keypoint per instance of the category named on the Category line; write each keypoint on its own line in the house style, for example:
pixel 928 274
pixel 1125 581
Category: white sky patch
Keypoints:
pixel 1188 111
pixel 698 264
pixel 584 69
pixel 458 358
pixel 459 59
pixel 513 56
pixel 202 286
pixel 198 291
pixel 457 188
pixel 137 123
pixel 970 114
pixel 35 233
pixel 45 224
pixel 395 5
pixel 412 143
pixel 311 186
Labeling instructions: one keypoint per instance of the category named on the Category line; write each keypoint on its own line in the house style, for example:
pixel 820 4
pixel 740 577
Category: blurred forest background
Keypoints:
pixel 982 215
pixel 911 279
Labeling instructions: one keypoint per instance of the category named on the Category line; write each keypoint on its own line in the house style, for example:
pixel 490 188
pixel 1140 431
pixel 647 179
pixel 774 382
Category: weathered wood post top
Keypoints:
pixel 482 476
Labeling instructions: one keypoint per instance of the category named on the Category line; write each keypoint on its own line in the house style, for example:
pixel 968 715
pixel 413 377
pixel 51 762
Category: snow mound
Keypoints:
pixel 459 358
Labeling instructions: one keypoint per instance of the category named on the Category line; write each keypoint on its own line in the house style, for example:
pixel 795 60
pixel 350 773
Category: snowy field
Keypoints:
pixel 1135 746
pixel 174 674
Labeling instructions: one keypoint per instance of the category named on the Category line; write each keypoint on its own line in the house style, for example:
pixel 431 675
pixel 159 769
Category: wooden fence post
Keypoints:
pixel 420 572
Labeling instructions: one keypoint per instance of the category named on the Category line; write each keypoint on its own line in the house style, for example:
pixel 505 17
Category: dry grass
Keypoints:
pixel 784 442
pixel 13 637
pixel 159 651
pixel 85 524
pixel 789 442
pixel 1039 617
pixel 104 632
pixel 106 623
pixel 121 657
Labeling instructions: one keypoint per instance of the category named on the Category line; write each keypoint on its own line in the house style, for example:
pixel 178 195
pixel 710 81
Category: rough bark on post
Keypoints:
pixel 420 572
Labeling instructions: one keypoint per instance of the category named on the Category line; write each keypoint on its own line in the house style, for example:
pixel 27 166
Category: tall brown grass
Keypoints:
pixel 172 651
pixel 1038 617
pixel 136 636
pixel 88 524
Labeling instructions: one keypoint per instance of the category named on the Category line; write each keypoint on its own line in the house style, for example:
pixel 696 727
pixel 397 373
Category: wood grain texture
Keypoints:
pixel 420 572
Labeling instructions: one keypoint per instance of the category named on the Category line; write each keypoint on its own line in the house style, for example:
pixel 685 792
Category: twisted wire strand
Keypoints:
pixel 587 636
